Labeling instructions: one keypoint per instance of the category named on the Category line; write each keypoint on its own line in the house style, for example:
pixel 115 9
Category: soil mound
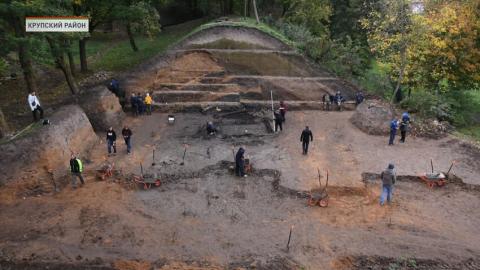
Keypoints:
pixel 47 147
pixel 373 117
pixel 103 108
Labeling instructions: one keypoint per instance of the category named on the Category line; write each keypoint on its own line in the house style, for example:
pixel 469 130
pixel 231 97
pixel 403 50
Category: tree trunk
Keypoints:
pixel 59 57
pixel 71 62
pixel 403 57
pixel 25 57
pixel 82 44
pixel 255 10
pixel 249 7
pixel 4 129
pixel 131 38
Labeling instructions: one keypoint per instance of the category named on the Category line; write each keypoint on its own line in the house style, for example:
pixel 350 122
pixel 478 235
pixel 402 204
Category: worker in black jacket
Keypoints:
pixel 127 135
pixel 305 138
pixel 278 119
pixel 111 141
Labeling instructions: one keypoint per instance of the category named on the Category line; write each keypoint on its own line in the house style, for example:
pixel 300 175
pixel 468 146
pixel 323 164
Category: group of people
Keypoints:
pixel 141 104
pixel 336 99
pixel 112 140
pixel 402 125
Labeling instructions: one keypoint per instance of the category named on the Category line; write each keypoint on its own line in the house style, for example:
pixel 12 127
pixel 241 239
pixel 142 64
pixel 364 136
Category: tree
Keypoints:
pixel 448 52
pixel 4 128
pixel 12 13
pixel 59 45
pixel 137 16
pixel 390 31
pixel 98 12
pixel 313 14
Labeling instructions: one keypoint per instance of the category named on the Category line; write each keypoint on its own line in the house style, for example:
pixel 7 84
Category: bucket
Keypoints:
pixel 171 119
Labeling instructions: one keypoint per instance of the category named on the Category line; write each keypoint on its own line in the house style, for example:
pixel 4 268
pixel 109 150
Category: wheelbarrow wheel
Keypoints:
pixel 323 203
pixel 312 202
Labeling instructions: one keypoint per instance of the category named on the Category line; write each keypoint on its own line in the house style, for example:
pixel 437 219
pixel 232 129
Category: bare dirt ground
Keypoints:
pixel 203 217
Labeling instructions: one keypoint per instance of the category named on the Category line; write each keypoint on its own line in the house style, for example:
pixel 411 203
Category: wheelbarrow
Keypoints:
pixel 105 171
pixel 435 179
pixel 146 181
pixel 319 196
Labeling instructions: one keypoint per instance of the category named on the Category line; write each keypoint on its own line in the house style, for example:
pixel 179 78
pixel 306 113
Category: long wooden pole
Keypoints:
pixel 273 112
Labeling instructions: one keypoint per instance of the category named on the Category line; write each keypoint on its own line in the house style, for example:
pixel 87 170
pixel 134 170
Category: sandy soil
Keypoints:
pixel 202 213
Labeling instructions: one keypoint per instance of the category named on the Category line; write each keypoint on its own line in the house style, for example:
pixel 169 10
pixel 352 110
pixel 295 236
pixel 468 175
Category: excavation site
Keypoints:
pixel 180 201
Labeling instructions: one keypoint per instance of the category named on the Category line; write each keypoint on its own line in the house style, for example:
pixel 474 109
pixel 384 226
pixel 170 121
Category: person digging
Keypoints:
pixel 76 167
pixel 240 163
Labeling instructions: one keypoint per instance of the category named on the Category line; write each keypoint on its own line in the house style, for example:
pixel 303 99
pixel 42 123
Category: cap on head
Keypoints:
pixel 391 166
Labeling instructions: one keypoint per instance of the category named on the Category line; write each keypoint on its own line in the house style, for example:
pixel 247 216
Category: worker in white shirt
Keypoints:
pixel 35 106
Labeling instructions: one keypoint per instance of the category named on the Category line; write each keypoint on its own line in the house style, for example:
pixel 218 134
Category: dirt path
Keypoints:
pixel 203 213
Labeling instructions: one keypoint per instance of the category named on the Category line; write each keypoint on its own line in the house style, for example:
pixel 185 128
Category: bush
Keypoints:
pixel 3 67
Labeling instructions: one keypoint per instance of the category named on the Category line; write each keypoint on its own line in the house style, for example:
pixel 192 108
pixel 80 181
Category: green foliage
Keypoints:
pixel 3 67
pixel 140 14
pixel 313 14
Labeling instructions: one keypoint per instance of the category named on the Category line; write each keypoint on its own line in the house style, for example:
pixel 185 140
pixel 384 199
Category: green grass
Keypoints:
pixel 119 56
pixel 248 23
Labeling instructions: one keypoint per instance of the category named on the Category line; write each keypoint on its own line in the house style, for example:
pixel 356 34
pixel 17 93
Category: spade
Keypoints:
pixel 183 158
pixel 153 157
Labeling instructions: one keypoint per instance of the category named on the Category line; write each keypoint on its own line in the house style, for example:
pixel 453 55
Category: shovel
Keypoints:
pixel 183 158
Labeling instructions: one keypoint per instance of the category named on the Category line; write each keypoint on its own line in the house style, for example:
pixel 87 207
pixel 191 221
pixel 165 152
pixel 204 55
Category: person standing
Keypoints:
pixel 305 138
pixel 134 104
pixel 359 98
pixel 278 121
pixel 114 86
pixel 34 104
pixel 111 141
pixel 148 103
pixel 393 131
pixel 140 103
pixel 127 134
pixel 283 109
pixel 76 167
pixel 240 163
pixel 403 130
pixel 326 101
pixel 388 180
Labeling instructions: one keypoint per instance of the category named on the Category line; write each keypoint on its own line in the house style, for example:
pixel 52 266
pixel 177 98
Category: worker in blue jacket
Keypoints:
pixel 393 131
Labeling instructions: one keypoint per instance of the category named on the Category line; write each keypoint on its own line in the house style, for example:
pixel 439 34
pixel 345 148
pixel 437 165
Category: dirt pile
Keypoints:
pixel 373 117
pixel 47 146
pixel 102 108
pixel 377 263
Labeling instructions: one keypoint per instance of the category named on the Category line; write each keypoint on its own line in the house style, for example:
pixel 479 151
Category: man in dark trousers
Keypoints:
pixel 388 180
pixel 393 131
pixel 111 141
pixel 359 98
pixel 127 134
pixel 305 138
pixel 134 104
pixel 403 130
pixel 283 109
pixel 278 121
pixel 240 163
pixel 76 167
pixel 34 104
